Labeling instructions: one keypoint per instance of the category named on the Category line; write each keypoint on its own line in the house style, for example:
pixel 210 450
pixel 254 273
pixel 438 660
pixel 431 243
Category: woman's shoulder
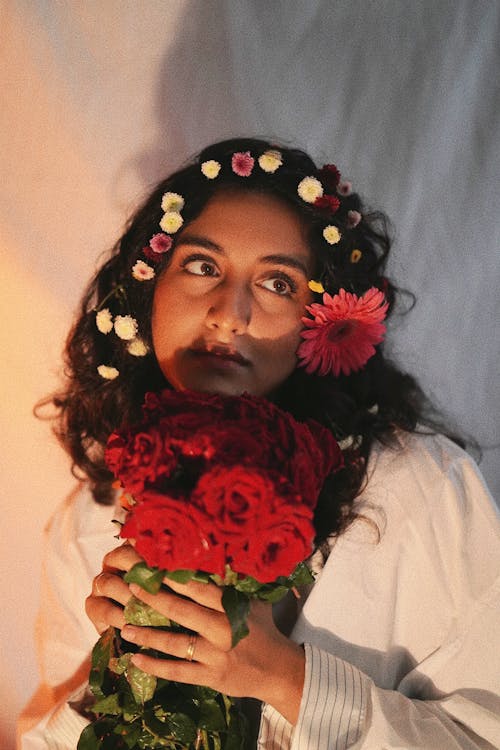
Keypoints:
pixel 422 471
pixel 80 511
pixel 429 502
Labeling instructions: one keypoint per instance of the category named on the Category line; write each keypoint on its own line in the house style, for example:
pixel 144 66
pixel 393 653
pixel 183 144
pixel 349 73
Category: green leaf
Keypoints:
pixel 181 576
pixel 129 733
pixel 88 739
pixel 101 654
pixel 237 607
pixel 301 576
pixel 139 613
pixel 119 666
pixel 150 579
pixel 177 725
pixel 211 716
pixel 141 683
pixel 109 705
pixel 248 584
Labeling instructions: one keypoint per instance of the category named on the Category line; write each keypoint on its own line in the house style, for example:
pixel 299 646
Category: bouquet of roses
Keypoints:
pixel 218 489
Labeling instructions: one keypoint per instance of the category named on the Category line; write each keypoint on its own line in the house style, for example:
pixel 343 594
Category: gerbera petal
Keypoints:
pixel 342 334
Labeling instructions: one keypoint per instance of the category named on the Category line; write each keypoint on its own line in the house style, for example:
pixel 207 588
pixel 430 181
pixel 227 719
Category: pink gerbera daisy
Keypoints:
pixel 242 163
pixel 342 333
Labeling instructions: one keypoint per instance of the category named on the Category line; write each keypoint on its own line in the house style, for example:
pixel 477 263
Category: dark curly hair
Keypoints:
pixel 371 404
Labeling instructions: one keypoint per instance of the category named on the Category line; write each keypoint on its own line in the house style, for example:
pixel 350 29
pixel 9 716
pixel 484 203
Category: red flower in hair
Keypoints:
pixel 329 176
pixel 328 202
pixel 342 333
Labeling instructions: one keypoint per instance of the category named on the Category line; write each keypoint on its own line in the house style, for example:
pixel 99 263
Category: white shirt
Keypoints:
pixel 401 634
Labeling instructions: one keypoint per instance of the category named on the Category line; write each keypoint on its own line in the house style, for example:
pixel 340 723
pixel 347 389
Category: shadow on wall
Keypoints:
pixel 245 70
pixel 195 103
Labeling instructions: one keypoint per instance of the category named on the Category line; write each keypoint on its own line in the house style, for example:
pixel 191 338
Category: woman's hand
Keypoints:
pixel 110 593
pixel 264 665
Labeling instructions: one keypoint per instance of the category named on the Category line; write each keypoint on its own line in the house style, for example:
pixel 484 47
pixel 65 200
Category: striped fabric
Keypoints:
pixel 332 710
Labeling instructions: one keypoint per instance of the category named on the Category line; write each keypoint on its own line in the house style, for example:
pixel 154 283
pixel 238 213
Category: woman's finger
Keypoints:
pixel 111 586
pixel 191 673
pixel 121 558
pixel 211 624
pixel 104 613
pixel 187 646
pixel 207 594
pixel 109 591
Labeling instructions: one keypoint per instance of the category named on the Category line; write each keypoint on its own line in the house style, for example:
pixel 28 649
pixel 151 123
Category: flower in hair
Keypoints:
pixel 342 333
pixel 160 243
pixel 126 327
pixel 328 202
pixel 242 163
pixel 108 373
pixel 137 347
pixel 329 176
pixel 172 202
pixel 310 189
pixel 270 161
pixel 344 188
pixel 331 234
pixel 104 321
pixel 353 219
pixel 171 222
pixel 142 272
pixel 210 169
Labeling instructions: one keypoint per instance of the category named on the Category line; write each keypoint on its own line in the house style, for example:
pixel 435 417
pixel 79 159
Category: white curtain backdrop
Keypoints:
pixel 98 100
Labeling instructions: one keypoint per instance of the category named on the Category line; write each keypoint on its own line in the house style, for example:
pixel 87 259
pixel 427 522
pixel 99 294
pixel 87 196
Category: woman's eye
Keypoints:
pixel 201 268
pixel 279 286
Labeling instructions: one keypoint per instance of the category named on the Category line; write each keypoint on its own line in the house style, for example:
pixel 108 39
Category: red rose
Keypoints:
pixel 316 456
pixel 236 499
pixel 172 534
pixel 140 460
pixel 234 443
pixel 281 541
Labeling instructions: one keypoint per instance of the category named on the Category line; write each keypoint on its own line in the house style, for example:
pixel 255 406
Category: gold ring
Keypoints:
pixel 191 647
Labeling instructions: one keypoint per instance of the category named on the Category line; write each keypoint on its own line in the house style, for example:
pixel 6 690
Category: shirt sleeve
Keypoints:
pixel 75 541
pixel 342 708
pixel 436 574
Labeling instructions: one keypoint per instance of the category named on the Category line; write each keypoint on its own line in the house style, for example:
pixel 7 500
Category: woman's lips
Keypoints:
pixel 220 357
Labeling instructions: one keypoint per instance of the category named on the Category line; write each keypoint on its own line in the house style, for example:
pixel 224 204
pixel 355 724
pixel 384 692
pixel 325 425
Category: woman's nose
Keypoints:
pixel 230 311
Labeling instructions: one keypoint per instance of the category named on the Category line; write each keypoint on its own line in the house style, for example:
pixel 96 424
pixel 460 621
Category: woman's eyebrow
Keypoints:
pixel 196 239
pixel 286 260
pixel 276 258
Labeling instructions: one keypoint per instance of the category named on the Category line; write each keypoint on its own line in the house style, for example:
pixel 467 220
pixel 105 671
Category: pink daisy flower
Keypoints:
pixel 353 219
pixel 344 188
pixel 242 163
pixel 160 243
pixel 342 333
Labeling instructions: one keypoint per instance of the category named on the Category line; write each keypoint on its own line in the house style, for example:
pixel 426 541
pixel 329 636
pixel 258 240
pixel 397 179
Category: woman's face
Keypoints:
pixel 227 309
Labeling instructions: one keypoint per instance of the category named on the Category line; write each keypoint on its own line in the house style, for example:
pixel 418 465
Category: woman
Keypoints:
pixel 253 235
